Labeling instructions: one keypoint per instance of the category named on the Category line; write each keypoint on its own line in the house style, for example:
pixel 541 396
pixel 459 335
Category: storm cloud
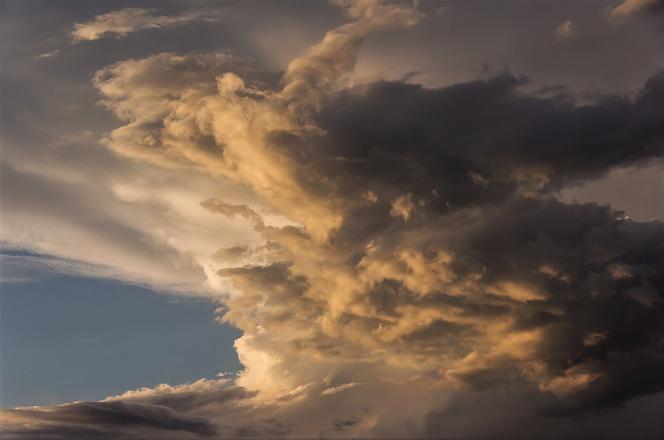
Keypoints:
pixel 411 255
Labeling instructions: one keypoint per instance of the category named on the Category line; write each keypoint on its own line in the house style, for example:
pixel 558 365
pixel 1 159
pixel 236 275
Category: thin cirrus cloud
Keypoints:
pixel 125 21
pixel 426 267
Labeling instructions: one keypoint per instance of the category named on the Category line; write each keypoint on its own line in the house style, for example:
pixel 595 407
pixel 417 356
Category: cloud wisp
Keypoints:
pixel 425 258
pixel 123 22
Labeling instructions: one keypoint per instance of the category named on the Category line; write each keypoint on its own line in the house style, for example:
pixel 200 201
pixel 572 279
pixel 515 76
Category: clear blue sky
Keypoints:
pixel 67 338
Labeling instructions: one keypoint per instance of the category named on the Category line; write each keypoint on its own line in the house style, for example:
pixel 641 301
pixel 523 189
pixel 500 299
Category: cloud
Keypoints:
pixel 631 8
pixel 339 388
pixel 439 135
pixel 463 267
pixel 423 254
pixel 25 267
pixel 47 54
pixel 230 210
pixel 239 115
pixel 471 167
pixel 403 206
pixel 187 397
pixel 109 420
pixel 220 409
pixel 122 22
pixel 51 217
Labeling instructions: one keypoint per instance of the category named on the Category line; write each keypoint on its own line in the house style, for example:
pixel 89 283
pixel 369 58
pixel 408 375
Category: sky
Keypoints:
pixel 432 219
pixel 67 337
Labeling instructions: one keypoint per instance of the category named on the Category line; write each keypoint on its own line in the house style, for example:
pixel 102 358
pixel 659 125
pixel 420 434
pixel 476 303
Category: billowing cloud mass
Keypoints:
pixel 125 21
pixel 410 259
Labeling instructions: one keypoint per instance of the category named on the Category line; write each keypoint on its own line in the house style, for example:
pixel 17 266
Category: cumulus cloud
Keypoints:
pixel 424 257
pixel 122 22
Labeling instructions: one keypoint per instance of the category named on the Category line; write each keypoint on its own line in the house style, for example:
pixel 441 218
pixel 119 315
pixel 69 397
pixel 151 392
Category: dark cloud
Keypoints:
pixel 57 432
pixel 109 418
pixel 479 140
pixel 607 281
pixel 596 301
pixel 477 241
pixel 520 415
pixel 492 152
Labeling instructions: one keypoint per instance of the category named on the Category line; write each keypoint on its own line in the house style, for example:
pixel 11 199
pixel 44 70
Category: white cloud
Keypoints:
pixel 146 228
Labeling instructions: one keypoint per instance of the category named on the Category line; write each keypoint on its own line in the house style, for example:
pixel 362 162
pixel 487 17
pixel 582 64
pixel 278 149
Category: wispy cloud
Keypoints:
pixel 30 267
pixel 47 54
pixel 125 21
